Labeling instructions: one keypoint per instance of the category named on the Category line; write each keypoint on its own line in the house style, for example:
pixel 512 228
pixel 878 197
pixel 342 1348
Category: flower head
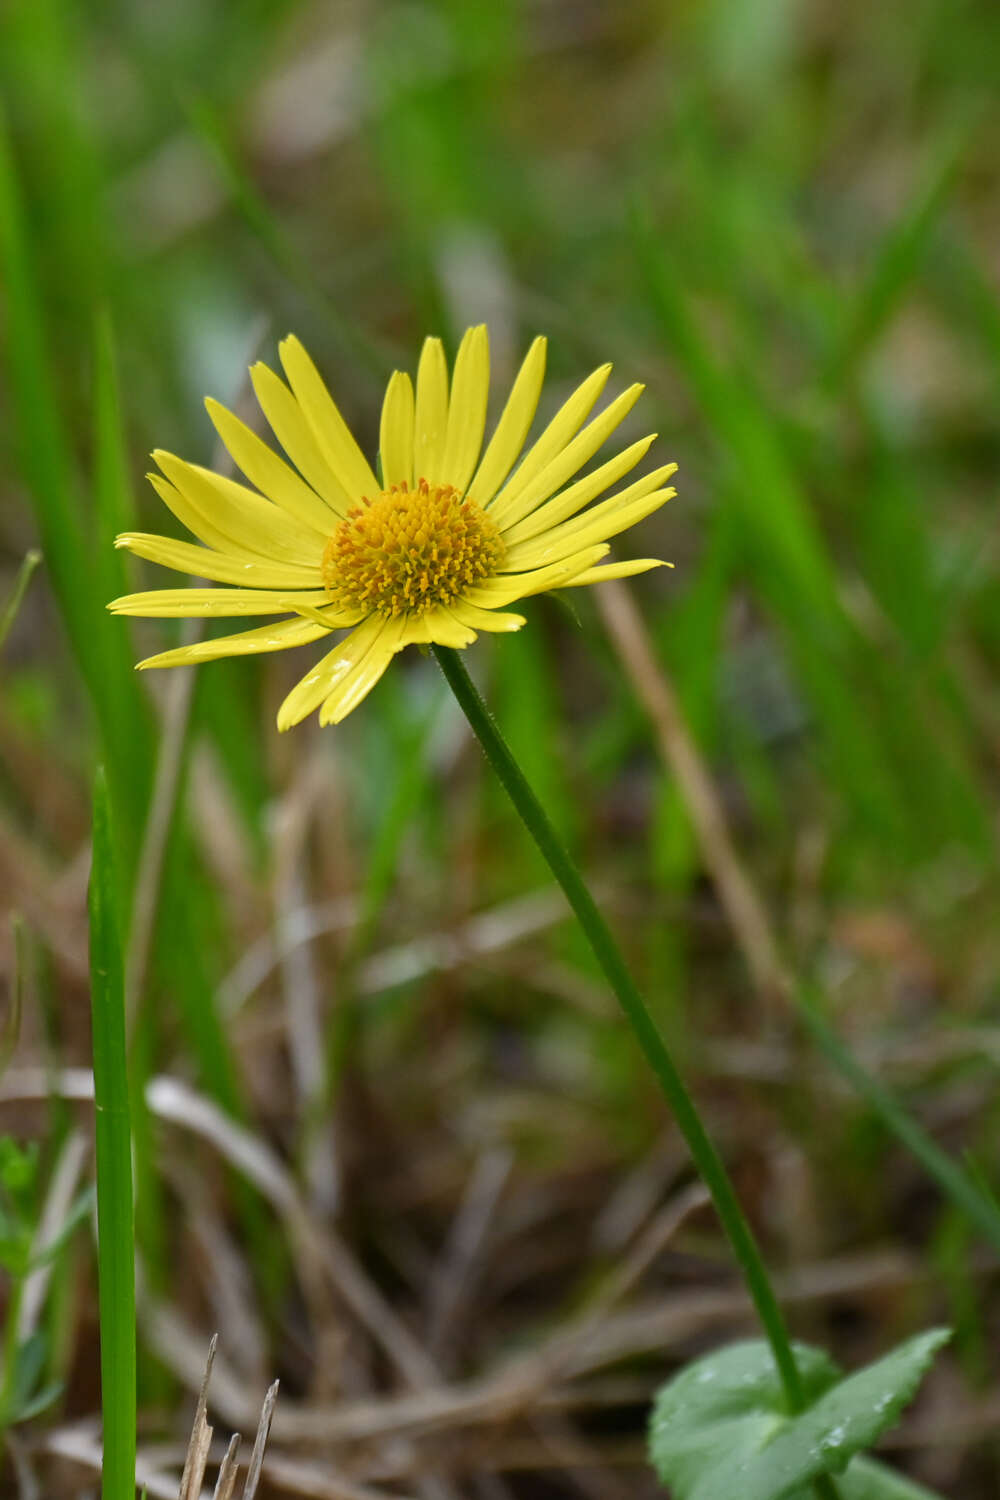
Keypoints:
pixel 430 554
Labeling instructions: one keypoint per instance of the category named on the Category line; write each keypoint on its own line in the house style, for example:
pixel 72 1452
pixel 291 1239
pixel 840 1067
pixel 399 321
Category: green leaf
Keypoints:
pixel 41 1401
pixel 868 1480
pixel 720 1410
pixel 80 1210
pixel 28 1367
pixel 720 1427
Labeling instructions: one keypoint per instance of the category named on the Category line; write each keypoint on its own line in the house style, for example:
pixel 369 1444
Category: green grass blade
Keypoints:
pixel 100 647
pixel 896 262
pixel 43 451
pixel 953 1181
pixel 114 507
pixel 116 1243
pixel 13 605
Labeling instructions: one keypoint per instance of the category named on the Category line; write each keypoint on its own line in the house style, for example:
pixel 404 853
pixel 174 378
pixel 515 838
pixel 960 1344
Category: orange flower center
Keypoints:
pixel 409 549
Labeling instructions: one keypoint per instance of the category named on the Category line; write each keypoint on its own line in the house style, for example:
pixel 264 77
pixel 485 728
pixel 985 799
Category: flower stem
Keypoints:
pixel 706 1157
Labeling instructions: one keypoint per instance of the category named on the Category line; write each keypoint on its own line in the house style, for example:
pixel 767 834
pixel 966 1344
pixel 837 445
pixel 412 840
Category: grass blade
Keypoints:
pixel 116 1244
pixel 24 572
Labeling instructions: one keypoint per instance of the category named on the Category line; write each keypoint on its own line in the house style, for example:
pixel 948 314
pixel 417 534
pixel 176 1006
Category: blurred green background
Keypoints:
pixel 782 215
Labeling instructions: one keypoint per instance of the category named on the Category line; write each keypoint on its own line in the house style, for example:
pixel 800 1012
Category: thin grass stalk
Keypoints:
pixel 748 916
pixel 953 1180
pixel 115 1228
pixel 12 608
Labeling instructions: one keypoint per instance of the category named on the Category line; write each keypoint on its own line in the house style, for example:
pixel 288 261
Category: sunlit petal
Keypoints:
pixel 396 431
pixel 189 604
pixel 510 508
pixel 328 427
pixel 272 476
pixel 504 447
pixel 431 418
pixel 470 390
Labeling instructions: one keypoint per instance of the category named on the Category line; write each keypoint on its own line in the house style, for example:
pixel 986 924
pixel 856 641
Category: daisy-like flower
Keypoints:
pixel 436 551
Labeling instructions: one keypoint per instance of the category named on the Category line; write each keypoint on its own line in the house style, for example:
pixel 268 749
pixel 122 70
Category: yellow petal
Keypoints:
pixel 431 421
pixel 278 637
pixel 199 525
pixel 223 509
pixel 505 445
pixel 563 427
pixel 595 525
pixel 470 388
pixel 505 588
pixel 308 694
pixel 272 476
pixel 189 604
pixel 223 567
pixel 437 627
pixel 616 570
pixel 578 495
pixel 396 431
pixel 509 509
pixel 477 618
pixel 296 437
pixel 356 684
pixel 583 531
pixel 335 438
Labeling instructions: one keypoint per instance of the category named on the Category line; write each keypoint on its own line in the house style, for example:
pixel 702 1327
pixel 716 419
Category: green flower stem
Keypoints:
pixel 705 1155
pixel 115 1224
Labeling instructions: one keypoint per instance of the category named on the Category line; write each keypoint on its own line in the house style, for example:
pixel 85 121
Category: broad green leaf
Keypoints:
pixel 866 1479
pixel 720 1428
pixel 721 1410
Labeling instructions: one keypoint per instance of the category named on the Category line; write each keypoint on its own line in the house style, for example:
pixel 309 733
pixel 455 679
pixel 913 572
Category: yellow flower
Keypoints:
pixel 435 552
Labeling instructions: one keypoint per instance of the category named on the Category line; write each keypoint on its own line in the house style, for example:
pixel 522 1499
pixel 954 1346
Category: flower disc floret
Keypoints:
pixel 410 549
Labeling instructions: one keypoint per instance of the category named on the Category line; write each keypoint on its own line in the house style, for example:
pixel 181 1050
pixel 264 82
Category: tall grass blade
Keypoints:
pixel 115 1223
pixel 17 593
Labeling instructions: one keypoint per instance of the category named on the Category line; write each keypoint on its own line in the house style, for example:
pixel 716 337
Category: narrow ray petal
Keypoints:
pixel 276 637
pixel 437 627
pixel 431 419
pixel 293 432
pixel 272 476
pixel 336 441
pixel 639 489
pixel 348 694
pixel 199 525
pixel 561 430
pixel 506 588
pixel 616 570
pixel 596 525
pixel 470 388
pixel 309 693
pixel 578 495
pixel 484 619
pixel 505 445
pixel 189 604
pixel 353 686
pixel 222 567
pixel 247 521
pixel 509 509
pixel 396 431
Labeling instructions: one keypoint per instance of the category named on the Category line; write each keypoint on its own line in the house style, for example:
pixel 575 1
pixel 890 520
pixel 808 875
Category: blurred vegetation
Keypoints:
pixel 782 216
